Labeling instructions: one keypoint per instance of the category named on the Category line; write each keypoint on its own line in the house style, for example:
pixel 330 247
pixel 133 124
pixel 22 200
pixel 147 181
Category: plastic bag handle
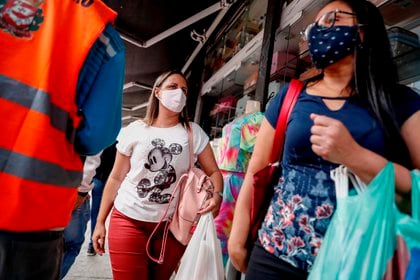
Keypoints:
pixel 415 194
pixel 341 176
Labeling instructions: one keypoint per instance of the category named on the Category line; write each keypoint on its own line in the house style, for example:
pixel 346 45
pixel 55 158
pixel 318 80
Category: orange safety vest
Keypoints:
pixel 43 44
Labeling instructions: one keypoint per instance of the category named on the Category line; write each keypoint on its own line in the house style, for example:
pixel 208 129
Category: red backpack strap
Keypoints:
pixel 295 87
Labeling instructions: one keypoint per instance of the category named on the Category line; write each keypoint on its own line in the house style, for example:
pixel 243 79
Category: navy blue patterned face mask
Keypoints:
pixel 329 46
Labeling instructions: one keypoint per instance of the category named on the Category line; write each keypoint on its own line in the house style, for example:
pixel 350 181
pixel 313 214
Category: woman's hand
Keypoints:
pixel 332 141
pixel 237 254
pixel 98 238
pixel 209 166
pixel 212 204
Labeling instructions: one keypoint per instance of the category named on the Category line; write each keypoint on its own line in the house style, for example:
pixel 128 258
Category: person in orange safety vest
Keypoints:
pixel 44 44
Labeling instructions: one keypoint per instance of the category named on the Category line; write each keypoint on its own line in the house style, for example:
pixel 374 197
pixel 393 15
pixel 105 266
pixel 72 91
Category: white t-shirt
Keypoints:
pixel 158 158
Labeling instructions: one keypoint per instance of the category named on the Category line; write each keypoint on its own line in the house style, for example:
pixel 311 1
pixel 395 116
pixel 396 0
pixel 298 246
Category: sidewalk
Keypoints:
pixel 90 267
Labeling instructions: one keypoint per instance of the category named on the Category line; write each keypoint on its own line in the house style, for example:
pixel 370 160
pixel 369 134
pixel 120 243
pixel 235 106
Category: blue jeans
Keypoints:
pixel 97 192
pixel 74 236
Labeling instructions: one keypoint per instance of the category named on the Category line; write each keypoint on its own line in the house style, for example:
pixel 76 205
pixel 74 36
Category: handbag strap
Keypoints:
pixel 295 87
pixel 176 189
pixel 163 246
pixel 166 228
pixel 165 234
pixel 190 146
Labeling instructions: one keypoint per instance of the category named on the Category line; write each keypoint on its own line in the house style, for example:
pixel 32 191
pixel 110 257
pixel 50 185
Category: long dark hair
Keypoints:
pixel 376 77
pixel 153 106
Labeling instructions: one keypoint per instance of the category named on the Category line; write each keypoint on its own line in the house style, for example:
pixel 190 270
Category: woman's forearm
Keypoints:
pixel 108 197
pixel 217 180
pixel 241 219
pixel 367 164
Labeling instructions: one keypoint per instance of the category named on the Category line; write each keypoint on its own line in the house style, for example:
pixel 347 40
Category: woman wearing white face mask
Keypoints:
pixel 152 155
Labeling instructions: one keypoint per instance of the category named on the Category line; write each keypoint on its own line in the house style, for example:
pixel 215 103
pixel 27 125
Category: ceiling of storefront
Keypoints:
pixel 139 21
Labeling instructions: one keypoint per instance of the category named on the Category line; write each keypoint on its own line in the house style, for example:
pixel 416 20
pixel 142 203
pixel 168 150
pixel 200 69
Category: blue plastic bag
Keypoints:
pixel 408 230
pixel 366 230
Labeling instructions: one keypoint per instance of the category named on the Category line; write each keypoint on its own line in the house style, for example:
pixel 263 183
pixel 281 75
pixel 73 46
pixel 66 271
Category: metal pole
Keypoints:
pixel 204 13
pixel 272 20
pixel 207 35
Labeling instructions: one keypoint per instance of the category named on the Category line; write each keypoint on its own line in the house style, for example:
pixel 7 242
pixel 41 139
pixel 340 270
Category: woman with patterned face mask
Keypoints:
pixel 152 154
pixel 355 114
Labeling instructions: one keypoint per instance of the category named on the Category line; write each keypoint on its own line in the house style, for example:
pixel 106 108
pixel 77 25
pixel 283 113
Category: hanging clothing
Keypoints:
pixel 237 144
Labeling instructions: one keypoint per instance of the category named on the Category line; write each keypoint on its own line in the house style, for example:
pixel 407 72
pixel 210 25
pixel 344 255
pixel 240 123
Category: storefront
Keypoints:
pixel 245 63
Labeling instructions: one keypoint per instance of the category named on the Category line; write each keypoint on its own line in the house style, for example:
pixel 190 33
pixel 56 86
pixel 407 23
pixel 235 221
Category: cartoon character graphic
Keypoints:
pixel 159 159
pixel 20 17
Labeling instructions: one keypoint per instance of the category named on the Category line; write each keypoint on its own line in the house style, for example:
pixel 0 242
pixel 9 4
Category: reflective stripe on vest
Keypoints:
pixel 34 99
pixel 37 170
pixel 43 47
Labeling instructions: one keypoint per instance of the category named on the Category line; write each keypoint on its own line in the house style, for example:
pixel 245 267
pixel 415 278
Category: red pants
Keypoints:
pixel 127 240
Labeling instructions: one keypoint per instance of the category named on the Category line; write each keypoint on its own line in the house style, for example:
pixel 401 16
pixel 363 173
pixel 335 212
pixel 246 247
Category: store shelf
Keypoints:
pixel 297 15
pixel 237 69
pixel 295 18
pixel 408 66
pixel 399 12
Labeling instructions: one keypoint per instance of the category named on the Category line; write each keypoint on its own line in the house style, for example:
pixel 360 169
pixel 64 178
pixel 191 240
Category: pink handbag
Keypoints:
pixel 193 188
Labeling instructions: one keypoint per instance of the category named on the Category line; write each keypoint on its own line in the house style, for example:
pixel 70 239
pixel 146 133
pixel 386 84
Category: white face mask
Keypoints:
pixel 173 99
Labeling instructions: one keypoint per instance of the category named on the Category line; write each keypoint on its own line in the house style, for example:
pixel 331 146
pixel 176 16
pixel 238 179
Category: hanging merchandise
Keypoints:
pixel 236 146
pixel 240 105
pixel 368 237
pixel 283 64
pixel 203 257
pixel 402 40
